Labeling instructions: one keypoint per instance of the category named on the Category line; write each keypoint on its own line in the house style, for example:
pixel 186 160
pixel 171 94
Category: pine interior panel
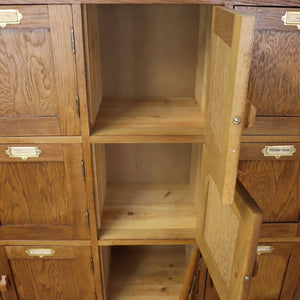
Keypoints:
pixel 147 272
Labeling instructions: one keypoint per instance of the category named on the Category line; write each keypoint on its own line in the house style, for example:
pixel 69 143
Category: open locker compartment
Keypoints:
pixel 147 191
pixel 150 272
pixel 143 63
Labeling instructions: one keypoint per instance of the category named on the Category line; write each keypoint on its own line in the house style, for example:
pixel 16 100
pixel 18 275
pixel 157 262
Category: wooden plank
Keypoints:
pixel 275 187
pixel 105 254
pixel 48 153
pixel 227 89
pixel 91 22
pixel 46 243
pixel 134 210
pixel 42 140
pixel 280 239
pixel 29 126
pixel 270 139
pixel 18 252
pixel 164 116
pixel 33 16
pixel 273 126
pixel 278 230
pixel 65 67
pixel 202 55
pixel 223 26
pixel 138 139
pixel 76 190
pixel 158 272
pixel 253 151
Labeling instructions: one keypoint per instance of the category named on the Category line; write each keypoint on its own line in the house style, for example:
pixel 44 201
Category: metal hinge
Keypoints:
pixel 95 295
pixel 78 106
pixel 83 170
pixel 87 218
pixel 73 40
pixel 92 264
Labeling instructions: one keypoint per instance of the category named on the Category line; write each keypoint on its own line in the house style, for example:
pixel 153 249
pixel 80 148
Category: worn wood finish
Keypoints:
pixel 292 284
pixel 253 151
pixel 60 17
pixel 135 210
pixel 5 269
pixel 227 237
pixel 228 77
pixel 267 284
pixel 47 195
pixel 91 27
pixel 158 272
pixel 53 278
pixel 158 116
pixel 275 186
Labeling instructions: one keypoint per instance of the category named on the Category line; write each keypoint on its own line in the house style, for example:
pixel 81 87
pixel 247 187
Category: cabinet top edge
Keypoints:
pixel 269 3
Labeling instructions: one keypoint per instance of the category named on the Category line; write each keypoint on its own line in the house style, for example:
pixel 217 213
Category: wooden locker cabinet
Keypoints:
pixel 43 197
pixel 38 77
pixel 63 273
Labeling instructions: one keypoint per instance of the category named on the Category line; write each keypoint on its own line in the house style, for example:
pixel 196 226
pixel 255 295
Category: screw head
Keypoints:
pixel 236 121
pixel 247 277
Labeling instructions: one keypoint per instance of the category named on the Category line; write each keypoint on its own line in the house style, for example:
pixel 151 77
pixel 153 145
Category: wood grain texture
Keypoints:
pixel 275 58
pixel 27 75
pixel 157 272
pixel 227 88
pixel 268 282
pixel 275 126
pixel 148 163
pixel 49 153
pixel 42 140
pixel 146 116
pixel 279 230
pixel 33 16
pixel 54 278
pixel 253 151
pixel 292 283
pixel 46 243
pixel 135 210
pixel 275 187
pixel 159 48
pixel 65 68
pixel 91 27
pixel 5 269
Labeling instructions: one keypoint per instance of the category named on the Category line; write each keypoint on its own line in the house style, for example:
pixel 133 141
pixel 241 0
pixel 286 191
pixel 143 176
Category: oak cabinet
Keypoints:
pixel 43 272
pixel 42 197
pixel 38 73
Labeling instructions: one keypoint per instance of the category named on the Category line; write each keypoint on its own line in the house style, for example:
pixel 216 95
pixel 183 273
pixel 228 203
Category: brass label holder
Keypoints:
pixel 278 151
pixel 40 252
pixel 23 152
pixel 291 18
pixel 10 17
pixel 264 250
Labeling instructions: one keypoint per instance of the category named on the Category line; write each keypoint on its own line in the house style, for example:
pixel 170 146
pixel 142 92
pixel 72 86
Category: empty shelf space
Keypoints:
pixel 161 116
pixel 147 272
pixel 148 211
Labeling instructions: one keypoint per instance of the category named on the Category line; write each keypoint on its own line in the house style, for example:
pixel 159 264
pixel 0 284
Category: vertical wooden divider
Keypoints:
pixel 86 148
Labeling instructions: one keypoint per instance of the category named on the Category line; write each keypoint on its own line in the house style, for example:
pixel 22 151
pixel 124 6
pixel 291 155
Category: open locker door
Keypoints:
pixel 229 220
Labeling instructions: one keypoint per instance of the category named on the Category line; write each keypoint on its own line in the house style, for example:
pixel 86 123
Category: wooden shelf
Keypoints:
pixel 147 272
pixel 157 211
pixel 148 117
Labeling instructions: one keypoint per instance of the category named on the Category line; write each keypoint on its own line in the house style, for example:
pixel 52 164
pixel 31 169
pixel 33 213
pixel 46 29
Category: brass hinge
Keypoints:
pixel 92 264
pixel 83 170
pixel 78 106
pixel 87 218
pixel 73 40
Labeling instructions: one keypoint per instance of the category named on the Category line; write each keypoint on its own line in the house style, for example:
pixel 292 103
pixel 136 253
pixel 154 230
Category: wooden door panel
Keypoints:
pixel 46 195
pixel 38 78
pixel 65 275
pixel 229 63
